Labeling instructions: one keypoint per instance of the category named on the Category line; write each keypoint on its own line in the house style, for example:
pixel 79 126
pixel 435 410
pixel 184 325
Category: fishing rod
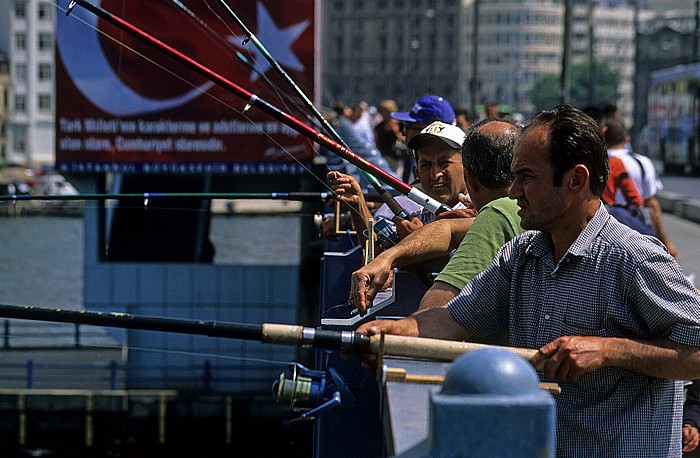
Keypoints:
pixel 387 197
pixel 253 100
pixel 318 119
pixel 280 334
pixel 294 196
pixel 241 57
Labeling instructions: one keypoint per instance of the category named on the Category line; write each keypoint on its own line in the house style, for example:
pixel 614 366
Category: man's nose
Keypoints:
pixel 436 170
pixel 514 190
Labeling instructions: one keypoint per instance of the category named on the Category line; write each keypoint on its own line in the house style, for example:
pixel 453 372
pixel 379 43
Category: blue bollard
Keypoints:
pixel 491 405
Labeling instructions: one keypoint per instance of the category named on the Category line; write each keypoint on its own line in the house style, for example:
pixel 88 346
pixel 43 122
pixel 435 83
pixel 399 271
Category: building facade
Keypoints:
pixel 27 29
pixel 402 49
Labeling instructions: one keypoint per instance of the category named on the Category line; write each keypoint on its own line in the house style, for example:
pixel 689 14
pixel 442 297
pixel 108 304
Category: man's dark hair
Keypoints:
pixel 615 132
pixel 574 138
pixel 609 110
pixel 489 155
pixel 594 112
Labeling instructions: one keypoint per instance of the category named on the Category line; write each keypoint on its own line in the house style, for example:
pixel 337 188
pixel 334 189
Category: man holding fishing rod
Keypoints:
pixel 440 173
pixel 612 316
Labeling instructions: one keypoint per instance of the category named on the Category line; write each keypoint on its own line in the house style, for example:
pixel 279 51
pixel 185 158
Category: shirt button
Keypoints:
pixel 546 317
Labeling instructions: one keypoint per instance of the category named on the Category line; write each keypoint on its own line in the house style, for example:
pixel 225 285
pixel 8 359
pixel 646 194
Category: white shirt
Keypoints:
pixel 642 171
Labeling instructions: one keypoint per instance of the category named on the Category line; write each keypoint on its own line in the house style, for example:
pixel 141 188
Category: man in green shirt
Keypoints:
pixel 486 155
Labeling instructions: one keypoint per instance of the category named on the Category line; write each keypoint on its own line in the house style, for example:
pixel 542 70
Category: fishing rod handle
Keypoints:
pixel 285 334
pixel 432 349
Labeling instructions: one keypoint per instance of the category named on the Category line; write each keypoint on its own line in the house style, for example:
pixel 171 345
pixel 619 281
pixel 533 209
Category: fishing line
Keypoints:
pixel 190 353
pixel 228 47
pixel 230 30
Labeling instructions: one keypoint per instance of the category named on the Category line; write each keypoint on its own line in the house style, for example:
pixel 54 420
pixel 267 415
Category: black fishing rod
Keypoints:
pixel 387 197
pixel 253 100
pixel 281 334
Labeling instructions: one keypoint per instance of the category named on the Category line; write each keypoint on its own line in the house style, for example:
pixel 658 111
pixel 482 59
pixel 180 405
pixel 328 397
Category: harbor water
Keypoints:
pixel 42 256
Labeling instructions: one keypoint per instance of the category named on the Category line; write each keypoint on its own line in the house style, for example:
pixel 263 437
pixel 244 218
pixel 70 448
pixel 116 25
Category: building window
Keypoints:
pixel 45 72
pixel 21 9
pixel 21 72
pixel 20 103
pixel 20 41
pixel 19 143
pixel 44 12
pixel 44 102
pixel 45 41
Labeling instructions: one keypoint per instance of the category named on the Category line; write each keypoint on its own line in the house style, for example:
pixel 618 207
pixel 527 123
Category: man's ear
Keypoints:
pixel 579 178
pixel 470 180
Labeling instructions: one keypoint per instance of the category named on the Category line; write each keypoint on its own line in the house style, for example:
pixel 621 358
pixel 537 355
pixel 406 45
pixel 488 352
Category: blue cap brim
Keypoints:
pixel 403 116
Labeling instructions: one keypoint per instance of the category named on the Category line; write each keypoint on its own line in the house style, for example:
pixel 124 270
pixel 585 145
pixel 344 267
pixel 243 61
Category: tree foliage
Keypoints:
pixel 592 83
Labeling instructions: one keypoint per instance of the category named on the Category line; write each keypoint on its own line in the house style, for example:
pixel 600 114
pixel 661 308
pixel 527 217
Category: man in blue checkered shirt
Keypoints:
pixel 614 319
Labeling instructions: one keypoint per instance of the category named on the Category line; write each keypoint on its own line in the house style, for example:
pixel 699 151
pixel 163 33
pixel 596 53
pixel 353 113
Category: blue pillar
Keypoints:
pixel 490 405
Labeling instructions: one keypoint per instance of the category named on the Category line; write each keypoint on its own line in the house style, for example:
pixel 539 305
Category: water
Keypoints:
pixel 42 260
pixel 42 265
pixel 42 256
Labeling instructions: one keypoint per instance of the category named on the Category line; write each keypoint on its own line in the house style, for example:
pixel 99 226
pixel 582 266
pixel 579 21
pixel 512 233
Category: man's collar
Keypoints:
pixel 543 243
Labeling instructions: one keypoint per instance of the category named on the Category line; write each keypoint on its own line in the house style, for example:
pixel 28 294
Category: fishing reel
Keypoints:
pixel 311 392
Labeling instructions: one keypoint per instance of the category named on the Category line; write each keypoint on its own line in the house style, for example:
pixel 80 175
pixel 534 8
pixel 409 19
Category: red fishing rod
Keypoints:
pixel 252 100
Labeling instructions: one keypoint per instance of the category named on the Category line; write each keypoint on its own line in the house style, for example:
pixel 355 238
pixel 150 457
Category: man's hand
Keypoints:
pixel 691 438
pixel 569 357
pixel 404 227
pixel 346 189
pixel 404 327
pixel 328 228
pixel 366 282
pixel 671 247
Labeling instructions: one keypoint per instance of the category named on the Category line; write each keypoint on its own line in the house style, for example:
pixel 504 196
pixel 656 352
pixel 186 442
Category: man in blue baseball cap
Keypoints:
pixel 426 110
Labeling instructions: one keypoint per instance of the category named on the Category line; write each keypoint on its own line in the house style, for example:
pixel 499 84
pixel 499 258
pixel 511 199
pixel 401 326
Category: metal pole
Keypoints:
pixel 474 84
pixel 564 83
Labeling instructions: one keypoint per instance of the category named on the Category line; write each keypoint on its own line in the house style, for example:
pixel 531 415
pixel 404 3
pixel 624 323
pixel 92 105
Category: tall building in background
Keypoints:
pixel 402 49
pixel 4 104
pixel 27 38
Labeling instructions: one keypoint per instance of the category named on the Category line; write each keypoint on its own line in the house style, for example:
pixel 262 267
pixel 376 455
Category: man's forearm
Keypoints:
pixel 660 358
pixel 428 242
pixel 654 207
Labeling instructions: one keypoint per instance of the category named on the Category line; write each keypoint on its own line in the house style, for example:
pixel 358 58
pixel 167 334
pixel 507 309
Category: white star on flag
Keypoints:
pixel 278 43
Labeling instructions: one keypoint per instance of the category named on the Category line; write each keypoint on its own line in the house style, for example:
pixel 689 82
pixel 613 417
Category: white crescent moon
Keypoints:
pixel 87 65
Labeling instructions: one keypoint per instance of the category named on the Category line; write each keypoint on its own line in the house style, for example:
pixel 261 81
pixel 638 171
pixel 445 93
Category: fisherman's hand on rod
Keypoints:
pixel 569 357
pixel 346 189
pixel 404 327
pixel 366 282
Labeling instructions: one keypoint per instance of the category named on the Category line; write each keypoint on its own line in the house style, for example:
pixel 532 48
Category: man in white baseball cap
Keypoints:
pixel 439 162
pixel 439 170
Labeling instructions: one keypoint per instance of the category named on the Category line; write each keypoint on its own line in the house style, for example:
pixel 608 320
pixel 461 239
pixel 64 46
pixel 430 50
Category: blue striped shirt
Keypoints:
pixel 611 282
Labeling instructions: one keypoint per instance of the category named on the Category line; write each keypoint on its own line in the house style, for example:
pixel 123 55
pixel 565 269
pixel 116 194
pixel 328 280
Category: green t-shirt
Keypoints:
pixel 496 223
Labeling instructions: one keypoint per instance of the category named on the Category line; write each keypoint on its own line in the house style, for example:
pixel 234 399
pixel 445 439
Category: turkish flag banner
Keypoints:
pixel 122 105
